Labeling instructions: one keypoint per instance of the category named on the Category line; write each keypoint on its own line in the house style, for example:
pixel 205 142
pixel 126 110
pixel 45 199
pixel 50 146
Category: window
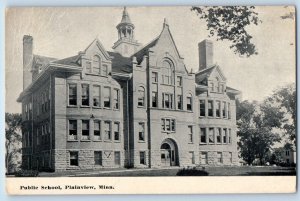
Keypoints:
pixel 72 94
pixel 85 94
pixel 117 131
pixel 168 125
pixel 142 158
pixel 211 86
pixel 211 137
pixel 202 108
pixel 203 159
pixel 107 130
pixel 224 135
pixel 189 102
pixel 72 129
pixel 192 157
pixel 228 111
pixel 230 156
pixel 222 88
pixel 96 64
pixel 117 158
pixel 74 158
pixel 154 99
pixel 85 129
pixel 104 70
pixel 141 97
pixel 202 135
pixel 179 81
pixel 219 157
pixel 154 77
pixel 141 131
pixel 218 135
pixel 190 133
pixel 97 130
pixel 224 109
pixel 287 153
pixel 179 102
pixel 167 100
pixel 106 97
pixel 96 96
pixel 167 72
pixel 210 108
pixel 88 67
pixel 218 109
pixel 229 135
pixel 116 99
pixel 98 157
pixel 218 87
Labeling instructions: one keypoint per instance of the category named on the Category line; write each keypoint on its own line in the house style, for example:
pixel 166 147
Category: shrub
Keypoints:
pixel 192 172
pixel 27 173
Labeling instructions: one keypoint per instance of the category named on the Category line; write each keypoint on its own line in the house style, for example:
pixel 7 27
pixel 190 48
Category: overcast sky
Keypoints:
pixel 62 32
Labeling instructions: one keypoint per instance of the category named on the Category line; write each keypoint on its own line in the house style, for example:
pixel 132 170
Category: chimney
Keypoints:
pixel 27 60
pixel 205 54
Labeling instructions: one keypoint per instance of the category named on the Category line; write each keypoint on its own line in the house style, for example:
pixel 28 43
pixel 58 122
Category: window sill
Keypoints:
pixel 108 141
pixel 141 107
pixel 85 140
pixel 106 108
pixel 97 140
pixel 202 143
pixel 72 106
pixel 140 141
pixel 116 109
pixel 94 74
pixel 168 132
pixel 167 84
pixel 117 141
pixel 84 106
pixel 69 140
pixel 96 107
pixel 190 142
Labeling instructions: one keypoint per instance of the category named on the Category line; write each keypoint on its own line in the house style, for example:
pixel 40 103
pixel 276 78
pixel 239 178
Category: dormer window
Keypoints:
pixel 96 65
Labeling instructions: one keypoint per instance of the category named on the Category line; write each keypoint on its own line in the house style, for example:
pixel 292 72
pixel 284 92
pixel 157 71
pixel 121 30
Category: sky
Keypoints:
pixel 63 32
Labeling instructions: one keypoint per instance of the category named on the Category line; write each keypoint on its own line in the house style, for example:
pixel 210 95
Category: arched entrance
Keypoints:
pixel 169 153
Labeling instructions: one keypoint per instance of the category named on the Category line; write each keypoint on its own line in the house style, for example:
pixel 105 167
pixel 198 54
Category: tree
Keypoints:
pixel 276 157
pixel 13 138
pixel 230 23
pixel 284 99
pixel 255 123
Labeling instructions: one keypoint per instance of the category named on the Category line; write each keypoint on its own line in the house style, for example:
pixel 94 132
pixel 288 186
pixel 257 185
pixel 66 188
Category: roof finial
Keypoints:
pixel 166 22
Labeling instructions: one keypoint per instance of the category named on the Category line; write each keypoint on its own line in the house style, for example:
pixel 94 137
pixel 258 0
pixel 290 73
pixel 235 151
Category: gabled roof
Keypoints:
pixel 43 59
pixel 203 74
pixel 71 61
pixel 140 54
pixel 120 64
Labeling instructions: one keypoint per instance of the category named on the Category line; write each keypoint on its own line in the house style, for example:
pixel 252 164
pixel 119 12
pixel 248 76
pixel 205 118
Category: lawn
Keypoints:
pixel 210 171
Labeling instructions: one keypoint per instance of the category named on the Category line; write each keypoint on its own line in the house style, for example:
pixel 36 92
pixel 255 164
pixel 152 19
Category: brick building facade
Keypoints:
pixel 135 106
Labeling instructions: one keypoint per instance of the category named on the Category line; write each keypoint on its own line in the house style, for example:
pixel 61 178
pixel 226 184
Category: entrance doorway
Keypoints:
pixel 169 153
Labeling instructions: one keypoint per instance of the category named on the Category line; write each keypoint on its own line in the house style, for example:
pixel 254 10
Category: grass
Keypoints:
pixel 209 171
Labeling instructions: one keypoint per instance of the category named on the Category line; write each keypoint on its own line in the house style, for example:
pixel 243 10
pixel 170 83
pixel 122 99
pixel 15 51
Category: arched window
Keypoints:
pixel 189 102
pixel 167 69
pixel 141 97
pixel 96 64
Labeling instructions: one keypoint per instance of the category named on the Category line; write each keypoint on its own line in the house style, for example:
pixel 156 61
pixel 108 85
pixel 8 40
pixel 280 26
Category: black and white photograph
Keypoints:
pixel 164 93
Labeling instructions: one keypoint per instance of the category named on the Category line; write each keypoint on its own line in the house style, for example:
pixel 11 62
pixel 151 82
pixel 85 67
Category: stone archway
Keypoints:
pixel 169 153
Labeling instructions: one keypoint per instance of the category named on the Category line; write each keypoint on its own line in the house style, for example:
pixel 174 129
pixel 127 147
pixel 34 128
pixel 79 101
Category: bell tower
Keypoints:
pixel 126 44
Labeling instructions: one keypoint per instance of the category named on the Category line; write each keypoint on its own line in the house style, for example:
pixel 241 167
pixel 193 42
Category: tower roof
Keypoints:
pixel 125 18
